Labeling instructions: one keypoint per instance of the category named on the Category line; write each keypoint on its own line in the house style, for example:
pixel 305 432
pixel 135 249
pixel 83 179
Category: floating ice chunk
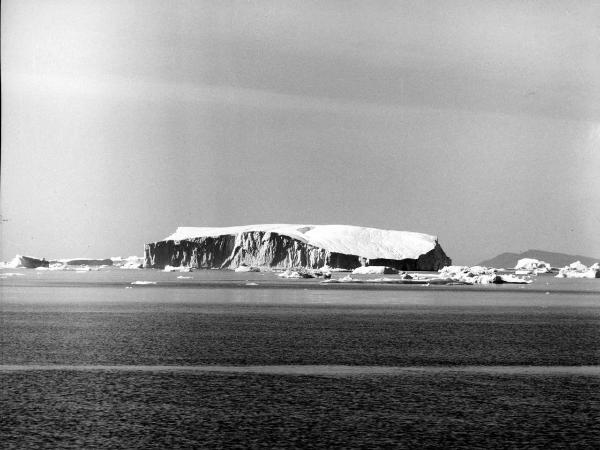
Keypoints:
pixel 402 280
pixel 132 265
pixel 496 279
pixel 374 270
pixel 289 274
pixel 578 266
pixel 28 262
pixel 244 268
pixel 479 275
pixel 87 262
pixel 349 279
pixel 578 270
pixel 295 274
pixel 177 269
pixel 12 264
pixel 131 262
pixel 514 280
pixel 523 272
pixel 448 271
pixel 534 265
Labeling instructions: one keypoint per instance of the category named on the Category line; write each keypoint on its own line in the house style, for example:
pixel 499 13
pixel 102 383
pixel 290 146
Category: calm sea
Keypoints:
pixel 225 360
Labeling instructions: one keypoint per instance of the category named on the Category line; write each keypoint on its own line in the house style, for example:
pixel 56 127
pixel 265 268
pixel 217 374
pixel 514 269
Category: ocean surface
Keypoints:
pixel 230 360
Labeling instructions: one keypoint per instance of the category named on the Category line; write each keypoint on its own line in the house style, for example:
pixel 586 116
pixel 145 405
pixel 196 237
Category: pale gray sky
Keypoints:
pixel 476 121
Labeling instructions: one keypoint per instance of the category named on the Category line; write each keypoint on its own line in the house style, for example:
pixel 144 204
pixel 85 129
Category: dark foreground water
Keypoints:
pixel 165 410
pixel 88 363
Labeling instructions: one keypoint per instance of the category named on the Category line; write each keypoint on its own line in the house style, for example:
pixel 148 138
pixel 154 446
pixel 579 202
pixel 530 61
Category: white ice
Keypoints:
pixel 176 269
pixel 579 270
pixel 247 269
pixel 535 266
pixel 479 275
pixel 367 242
pixel 374 270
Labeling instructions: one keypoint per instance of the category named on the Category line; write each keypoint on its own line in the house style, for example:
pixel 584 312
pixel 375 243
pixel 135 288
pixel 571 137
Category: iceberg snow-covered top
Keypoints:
pixel 362 241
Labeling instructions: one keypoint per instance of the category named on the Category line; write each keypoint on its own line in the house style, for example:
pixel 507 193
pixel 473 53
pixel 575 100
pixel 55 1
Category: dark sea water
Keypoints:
pixel 90 361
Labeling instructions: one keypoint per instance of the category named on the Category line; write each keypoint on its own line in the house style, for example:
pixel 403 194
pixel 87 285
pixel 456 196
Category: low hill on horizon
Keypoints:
pixel 509 260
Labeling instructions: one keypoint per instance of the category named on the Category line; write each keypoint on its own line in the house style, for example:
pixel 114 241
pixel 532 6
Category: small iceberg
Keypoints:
pixel 479 275
pixel 87 262
pixel 349 279
pixel 300 273
pixel 374 270
pixel 131 262
pixel 177 269
pixel 27 262
pixel 527 266
pixel 579 270
pixel 243 268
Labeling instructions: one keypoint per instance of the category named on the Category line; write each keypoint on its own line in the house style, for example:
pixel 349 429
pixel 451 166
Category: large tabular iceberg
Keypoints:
pixel 289 246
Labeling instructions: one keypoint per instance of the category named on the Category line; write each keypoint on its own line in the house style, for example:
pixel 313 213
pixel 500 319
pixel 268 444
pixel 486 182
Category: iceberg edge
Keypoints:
pixel 281 247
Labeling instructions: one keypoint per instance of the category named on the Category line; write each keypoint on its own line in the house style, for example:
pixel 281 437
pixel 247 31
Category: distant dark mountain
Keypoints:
pixel 509 260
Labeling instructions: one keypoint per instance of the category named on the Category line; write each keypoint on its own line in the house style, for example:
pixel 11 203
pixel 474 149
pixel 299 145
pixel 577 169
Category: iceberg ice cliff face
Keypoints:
pixel 296 246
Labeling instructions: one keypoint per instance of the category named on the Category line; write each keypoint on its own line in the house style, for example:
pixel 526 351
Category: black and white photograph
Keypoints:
pixel 290 224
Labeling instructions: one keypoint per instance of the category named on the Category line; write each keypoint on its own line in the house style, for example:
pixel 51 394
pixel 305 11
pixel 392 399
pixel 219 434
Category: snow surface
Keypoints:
pixel 347 239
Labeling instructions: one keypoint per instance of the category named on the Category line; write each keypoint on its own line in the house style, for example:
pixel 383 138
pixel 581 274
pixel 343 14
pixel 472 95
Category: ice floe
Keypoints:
pixel 244 268
pixel 526 266
pixel 129 263
pixel 76 264
pixel 374 270
pixel 27 262
pixel 300 273
pixel 479 275
pixel 579 270
pixel 87 262
pixel 177 269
